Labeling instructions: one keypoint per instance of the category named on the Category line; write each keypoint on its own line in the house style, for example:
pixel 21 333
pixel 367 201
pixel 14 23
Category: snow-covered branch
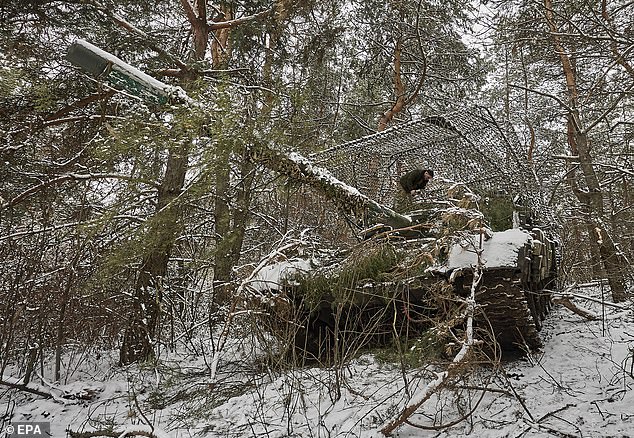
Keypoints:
pixel 565 301
pixel 59 395
pixel 19 385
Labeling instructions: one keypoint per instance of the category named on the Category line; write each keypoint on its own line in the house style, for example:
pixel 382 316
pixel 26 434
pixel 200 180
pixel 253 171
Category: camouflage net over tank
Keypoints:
pixel 466 146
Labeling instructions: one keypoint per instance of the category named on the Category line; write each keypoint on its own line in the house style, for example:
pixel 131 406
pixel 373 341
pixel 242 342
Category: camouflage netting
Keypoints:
pixel 466 146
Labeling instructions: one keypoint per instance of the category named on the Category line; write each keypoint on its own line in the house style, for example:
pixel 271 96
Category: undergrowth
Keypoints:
pixel 412 352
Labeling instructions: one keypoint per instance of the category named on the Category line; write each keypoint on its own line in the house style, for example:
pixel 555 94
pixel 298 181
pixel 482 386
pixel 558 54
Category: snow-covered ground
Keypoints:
pixel 581 384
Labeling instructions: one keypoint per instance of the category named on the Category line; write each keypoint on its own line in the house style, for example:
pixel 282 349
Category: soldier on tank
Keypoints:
pixel 416 180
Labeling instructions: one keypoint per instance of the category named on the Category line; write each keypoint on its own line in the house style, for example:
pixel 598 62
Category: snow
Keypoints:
pixel 272 276
pixel 143 429
pixel 580 384
pixel 501 250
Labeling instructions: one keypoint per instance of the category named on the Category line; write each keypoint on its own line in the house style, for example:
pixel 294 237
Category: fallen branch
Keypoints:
pixel 93 433
pixel 26 388
pixel 585 313
pixel 421 398
pixel 395 232
pixel 64 397
pixel 567 293
pixel 556 411
pixel 537 424
pixel 135 430
pixel 452 423
pixel 549 430
pixel 589 298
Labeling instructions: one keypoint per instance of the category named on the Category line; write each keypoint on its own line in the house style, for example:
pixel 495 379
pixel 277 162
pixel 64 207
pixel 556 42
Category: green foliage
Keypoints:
pixel 498 212
pixel 370 265
pixel 373 265
pixel 44 98
pixel 11 80
pixel 413 353
pixel 137 143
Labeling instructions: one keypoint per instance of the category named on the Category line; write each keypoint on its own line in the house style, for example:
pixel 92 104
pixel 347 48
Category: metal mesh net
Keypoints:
pixel 466 146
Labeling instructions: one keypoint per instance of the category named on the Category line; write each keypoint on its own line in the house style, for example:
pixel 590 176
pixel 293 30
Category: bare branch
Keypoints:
pixel 399 90
pixel 81 103
pixel 565 301
pixel 609 109
pixel 26 388
pixel 542 93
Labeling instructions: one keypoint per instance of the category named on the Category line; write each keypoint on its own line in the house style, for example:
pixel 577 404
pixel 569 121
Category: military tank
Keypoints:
pixel 406 276
pixel 406 282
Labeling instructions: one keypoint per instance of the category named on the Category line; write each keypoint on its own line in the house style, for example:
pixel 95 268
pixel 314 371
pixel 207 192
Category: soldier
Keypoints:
pixel 415 180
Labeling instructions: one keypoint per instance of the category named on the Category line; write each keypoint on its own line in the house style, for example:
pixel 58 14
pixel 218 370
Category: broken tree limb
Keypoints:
pixel 59 395
pixel 567 294
pixel 301 169
pixel 421 398
pixel 565 301
pixel 440 380
pixel 25 388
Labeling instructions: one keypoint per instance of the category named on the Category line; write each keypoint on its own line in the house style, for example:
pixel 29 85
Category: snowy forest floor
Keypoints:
pixel 581 384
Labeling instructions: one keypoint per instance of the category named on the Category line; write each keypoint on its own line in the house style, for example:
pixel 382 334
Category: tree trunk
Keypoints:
pixel 241 214
pixel 592 198
pixel 220 49
pixel 231 224
pixel 197 16
pixel 148 292
pixel 138 338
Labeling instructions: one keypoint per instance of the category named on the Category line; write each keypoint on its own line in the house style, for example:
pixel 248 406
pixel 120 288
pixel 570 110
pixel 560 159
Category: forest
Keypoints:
pixel 202 231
